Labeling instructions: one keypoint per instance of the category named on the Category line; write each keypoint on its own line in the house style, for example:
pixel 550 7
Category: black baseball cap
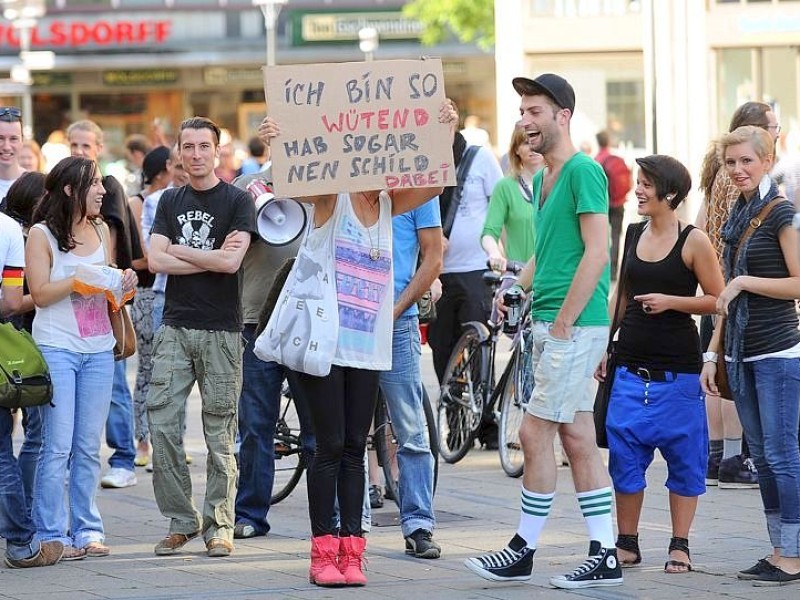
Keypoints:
pixel 556 87
pixel 154 163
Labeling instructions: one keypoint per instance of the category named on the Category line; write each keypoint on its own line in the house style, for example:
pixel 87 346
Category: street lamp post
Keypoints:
pixel 368 42
pixel 23 15
pixel 270 10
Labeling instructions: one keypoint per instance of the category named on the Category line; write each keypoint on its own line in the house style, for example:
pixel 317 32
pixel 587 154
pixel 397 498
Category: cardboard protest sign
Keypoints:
pixel 358 126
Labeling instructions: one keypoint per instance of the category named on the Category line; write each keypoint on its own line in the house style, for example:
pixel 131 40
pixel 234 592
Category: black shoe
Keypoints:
pixel 512 563
pixel 420 544
pixel 774 576
pixel 375 497
pixel 737 472
pixel 755 571
pixel 600 569
pixel 712 470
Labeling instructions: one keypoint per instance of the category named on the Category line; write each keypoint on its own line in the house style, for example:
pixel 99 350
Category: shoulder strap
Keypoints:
pixel 632 235
pixel 101 233
pixel 756 222
pixel 461 178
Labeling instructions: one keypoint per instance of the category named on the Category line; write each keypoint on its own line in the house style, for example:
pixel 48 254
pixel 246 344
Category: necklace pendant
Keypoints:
pixel 374 253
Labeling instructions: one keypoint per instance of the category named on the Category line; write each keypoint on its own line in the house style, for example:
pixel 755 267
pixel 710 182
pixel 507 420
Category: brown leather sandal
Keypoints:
pixel 96 550
pixel 629 543
pixel 681 545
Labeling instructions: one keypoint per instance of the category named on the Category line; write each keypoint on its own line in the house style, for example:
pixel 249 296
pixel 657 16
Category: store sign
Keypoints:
pixel 51 78
pixel 66 34
pixel 344 27
pixel 143 77
pixel 224 76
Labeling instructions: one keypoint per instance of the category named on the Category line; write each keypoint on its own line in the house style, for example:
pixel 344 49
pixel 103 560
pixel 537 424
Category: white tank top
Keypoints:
pixel 77 323
pixel 364 285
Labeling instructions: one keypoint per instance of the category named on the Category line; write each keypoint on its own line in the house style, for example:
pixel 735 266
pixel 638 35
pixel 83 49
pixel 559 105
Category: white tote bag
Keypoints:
pixel 303 330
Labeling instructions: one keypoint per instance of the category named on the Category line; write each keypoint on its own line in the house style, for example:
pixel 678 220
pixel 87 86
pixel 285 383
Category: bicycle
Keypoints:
pixel 512 394
pixel 291 460
pixel 467 391
pixel 384 442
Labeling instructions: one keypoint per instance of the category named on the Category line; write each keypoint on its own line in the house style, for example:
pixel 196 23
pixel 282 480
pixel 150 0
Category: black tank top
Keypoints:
pixel 667 341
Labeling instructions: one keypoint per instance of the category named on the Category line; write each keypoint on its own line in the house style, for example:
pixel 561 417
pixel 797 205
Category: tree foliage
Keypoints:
pixel 469 20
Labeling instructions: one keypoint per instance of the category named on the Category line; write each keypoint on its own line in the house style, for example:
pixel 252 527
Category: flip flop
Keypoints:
pixel 96 550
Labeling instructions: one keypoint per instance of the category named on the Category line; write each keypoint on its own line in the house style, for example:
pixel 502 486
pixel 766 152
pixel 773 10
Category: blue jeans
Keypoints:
pixel 29 452
pixel 402 388
pixel 259 404
pixel 768 403
pixel 119 426
pixel 15 522
pixel 72 428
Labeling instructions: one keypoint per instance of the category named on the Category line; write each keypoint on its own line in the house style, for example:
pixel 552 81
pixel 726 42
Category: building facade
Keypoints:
pixel 661 75
pixel 129 63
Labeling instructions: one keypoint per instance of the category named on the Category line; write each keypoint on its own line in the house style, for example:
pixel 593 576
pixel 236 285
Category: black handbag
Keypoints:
pixel 603 394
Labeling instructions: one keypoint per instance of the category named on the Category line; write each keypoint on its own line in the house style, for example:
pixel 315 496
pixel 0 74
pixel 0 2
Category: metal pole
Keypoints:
pixel 27 99
pixel 270 11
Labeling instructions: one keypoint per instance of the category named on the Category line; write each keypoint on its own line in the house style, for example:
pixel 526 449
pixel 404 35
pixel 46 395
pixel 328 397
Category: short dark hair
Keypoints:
pixel 668 175
pixel 23 195
pixel 603 139
pixel 201 123
pixel 256 147
pixel 138 143
pixel 750 113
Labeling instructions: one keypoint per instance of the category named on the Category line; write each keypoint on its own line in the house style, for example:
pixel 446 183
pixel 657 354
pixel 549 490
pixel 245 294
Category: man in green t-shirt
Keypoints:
pixel 570 275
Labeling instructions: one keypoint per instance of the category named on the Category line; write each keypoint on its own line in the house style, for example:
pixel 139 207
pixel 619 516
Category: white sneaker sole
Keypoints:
pixel 474 566
pixel 566 584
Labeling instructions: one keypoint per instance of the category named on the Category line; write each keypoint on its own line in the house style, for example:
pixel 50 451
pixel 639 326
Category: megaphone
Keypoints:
pixel 279 221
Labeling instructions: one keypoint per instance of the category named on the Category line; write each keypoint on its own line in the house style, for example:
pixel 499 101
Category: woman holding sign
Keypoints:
pixel 357 226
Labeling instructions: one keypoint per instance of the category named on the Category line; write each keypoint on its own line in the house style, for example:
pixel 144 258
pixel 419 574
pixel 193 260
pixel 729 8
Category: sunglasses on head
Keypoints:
pixel 10 111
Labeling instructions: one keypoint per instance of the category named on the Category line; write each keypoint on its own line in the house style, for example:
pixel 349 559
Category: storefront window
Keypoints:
pixel 734 82
pixel 625 105
pixel 780 90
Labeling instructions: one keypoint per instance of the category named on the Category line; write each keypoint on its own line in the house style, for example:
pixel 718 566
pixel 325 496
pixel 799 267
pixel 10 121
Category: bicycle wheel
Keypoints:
pixel 516 391
pixel 290 462
pixel 461 390
pixel 433 435
pixel 385 443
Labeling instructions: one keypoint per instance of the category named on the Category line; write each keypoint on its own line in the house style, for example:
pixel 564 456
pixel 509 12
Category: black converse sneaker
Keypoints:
pixel 601 568
pixel 512 563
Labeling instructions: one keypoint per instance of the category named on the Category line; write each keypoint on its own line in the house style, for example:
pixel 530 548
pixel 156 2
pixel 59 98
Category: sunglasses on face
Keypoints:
pixel 10 111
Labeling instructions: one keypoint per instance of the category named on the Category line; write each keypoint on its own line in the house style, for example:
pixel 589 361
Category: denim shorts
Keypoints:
pixel 563 371
pixel 668 416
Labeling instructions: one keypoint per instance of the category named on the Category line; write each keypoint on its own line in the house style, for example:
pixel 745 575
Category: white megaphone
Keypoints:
pixel 279 221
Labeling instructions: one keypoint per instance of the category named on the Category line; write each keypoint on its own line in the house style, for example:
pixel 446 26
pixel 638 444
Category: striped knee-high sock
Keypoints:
pixel 596 508
pixel 534 511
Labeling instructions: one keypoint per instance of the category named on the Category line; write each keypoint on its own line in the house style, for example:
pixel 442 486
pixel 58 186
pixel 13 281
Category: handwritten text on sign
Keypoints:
pixel 358 126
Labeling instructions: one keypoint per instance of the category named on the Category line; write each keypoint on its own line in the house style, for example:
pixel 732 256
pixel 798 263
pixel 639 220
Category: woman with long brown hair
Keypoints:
pixel 74 334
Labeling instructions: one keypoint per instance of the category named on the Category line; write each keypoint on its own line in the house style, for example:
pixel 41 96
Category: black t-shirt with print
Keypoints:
pixel 201 219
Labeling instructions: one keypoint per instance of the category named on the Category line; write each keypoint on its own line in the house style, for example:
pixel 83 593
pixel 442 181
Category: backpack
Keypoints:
pixel 619 179
pixel 461 178
pixel 24 376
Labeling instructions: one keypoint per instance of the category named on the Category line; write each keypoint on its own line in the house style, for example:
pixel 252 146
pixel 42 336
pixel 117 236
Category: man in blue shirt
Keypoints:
pixel 416 232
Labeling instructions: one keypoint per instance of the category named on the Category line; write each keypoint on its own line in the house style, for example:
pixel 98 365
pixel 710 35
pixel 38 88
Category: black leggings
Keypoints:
pixel 341 406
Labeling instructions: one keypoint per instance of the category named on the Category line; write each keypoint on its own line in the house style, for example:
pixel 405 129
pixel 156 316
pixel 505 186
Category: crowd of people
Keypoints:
pixel 182 233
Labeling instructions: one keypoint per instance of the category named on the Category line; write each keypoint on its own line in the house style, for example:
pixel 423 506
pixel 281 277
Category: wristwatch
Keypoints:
pixel 710 357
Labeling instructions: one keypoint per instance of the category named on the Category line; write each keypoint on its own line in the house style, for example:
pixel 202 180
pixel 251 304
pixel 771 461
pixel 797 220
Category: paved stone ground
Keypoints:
pixel 478 510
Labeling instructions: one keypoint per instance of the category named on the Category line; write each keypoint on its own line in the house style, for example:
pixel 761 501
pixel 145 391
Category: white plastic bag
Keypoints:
pixel 303 330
